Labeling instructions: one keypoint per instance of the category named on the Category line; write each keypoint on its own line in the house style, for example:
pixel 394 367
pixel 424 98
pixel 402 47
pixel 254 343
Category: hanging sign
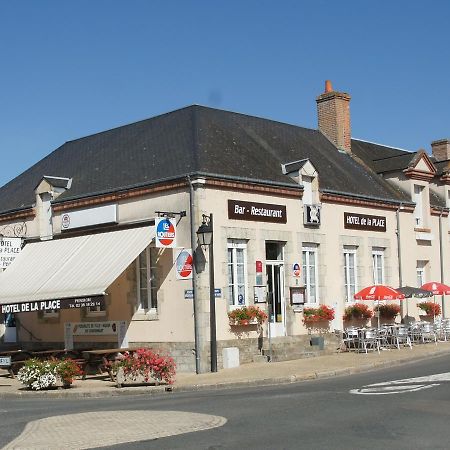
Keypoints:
pixel 184 264
pixel 166 230
pixel 9 249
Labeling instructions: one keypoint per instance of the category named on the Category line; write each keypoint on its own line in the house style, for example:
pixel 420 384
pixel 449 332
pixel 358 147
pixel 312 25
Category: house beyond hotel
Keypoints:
pixel 101 235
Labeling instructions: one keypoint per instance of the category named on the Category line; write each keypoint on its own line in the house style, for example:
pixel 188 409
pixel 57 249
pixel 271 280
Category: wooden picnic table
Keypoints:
pixel 101 360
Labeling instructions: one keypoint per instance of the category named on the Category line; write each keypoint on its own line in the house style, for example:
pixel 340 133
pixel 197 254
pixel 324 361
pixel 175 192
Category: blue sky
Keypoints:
pixel 70 69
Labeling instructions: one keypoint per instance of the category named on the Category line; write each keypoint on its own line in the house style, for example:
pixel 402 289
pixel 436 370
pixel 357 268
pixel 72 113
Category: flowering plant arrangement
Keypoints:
pixel 388 311
pixel 322 313
pixel 247 315
pixel 430 308
pixel 147 364
pixel 357 311
pixel 37 374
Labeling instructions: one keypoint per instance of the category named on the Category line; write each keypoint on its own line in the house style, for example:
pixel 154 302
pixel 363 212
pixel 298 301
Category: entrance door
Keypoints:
pixel 275 288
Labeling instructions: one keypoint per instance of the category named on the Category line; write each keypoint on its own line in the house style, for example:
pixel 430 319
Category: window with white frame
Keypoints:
pixel 145 277
pixel 310 272
pixel 350 273
pixel 378 265
pixel 50 314
pixel 420 272
pixel 237 276
pixel 418 200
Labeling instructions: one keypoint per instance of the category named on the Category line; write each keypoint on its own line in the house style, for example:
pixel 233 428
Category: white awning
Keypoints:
pixel 72 267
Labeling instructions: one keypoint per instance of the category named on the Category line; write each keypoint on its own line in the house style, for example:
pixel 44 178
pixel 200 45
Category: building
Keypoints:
pixel 292 208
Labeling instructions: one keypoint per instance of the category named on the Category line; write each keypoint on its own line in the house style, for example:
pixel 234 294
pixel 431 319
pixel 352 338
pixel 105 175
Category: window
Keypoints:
pixel 350 273
pixel 307 190
pixel 146 286
pixel 378 265
pixel 237 278
pixel 309 273
pixel 50 314
pixel 418 200
pixel 420 271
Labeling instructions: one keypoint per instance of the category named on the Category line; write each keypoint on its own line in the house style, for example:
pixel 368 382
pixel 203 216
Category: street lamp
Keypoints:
pixel 205 237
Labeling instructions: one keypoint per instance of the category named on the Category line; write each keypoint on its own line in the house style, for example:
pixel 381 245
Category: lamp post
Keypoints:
pixel 205 237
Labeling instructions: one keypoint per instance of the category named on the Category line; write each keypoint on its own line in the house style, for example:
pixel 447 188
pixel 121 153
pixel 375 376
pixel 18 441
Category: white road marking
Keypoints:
pixel 402 386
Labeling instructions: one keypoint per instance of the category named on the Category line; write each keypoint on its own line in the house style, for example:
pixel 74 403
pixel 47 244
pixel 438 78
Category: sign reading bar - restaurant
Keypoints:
pixel 9 249
pixel 257 212
pixel 46 305
pixel 355 221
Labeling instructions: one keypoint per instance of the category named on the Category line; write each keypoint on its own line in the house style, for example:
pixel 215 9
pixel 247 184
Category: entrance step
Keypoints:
pixel 259 358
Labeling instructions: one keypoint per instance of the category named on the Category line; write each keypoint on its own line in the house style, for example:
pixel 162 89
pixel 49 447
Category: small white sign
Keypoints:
pixel 95 328
pixel 5 361
pixel 89 216
pixel 9 249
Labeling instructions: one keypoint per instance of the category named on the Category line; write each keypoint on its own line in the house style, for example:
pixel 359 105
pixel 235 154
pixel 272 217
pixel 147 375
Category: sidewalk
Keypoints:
pixel 254 374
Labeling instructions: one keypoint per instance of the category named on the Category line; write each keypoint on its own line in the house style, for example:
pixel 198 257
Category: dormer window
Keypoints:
pixel 418 211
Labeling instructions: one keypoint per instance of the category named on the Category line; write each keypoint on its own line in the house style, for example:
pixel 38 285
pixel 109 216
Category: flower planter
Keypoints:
pixel 123 379
pixel 243 323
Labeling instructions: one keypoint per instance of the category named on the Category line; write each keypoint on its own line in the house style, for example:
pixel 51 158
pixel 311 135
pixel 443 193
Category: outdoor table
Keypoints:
pixel 101 360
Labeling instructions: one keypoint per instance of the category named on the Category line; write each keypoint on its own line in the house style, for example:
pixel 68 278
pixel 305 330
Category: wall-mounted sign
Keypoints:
pixel 9 249
pixel 184 264
pixel 355 221
pixel 95 328
pixel 47 305
pixel 99 215
pixel 296 270
pixel 166 230
pixel 256 212
pixel 297 295
pixel 189 293
pixel 260 295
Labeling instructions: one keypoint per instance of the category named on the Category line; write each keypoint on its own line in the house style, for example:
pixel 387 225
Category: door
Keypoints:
pixel 275 288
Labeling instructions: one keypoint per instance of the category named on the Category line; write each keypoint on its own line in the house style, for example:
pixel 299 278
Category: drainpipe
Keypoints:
pixel 441 258
pixel 194 275
pixel 399 253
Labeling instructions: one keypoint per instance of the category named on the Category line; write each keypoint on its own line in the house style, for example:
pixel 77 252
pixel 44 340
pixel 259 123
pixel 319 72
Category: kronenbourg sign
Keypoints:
pixel 166 230
pixel 183 264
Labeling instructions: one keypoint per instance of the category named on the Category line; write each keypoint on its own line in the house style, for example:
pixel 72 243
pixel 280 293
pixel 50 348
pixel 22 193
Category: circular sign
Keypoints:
pixel 65 220
pixel 296 269
pixel 184 264
pixel 165 232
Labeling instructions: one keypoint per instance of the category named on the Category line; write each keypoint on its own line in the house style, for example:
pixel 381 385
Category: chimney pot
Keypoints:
pixel 328 86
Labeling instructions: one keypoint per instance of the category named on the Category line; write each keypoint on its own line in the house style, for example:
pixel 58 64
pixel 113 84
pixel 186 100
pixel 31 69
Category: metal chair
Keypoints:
pixel 369 340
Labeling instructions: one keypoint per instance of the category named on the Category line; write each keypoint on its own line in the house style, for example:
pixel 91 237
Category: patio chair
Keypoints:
pixel 428 334
pixel 369 340
pixel 400 337
pixel 351 339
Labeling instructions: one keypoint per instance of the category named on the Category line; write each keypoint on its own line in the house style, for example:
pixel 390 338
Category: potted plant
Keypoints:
pixel 430 309
pixel 358 311
pixel 247 315
pixel 314 315
pixel 144 366
pixel 388 311
pixel 37 375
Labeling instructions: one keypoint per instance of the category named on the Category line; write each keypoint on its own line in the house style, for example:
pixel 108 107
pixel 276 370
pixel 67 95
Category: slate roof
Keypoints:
pixel 198 140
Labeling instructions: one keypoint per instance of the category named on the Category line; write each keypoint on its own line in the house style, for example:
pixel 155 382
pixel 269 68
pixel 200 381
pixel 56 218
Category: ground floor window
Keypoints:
pixel 237 279
pixel 350 273
pixel 378 265
pixel 145 276
pixel 310 272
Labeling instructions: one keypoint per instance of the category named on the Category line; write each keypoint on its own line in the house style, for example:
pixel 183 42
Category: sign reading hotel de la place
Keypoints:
pixel 256 212
pixel 366 222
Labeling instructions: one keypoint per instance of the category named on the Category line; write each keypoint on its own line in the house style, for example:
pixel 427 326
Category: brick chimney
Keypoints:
pixel 441 149
pixel 333 111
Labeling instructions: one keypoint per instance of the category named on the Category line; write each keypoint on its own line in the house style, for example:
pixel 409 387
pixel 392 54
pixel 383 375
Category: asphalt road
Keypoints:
pixel 338 413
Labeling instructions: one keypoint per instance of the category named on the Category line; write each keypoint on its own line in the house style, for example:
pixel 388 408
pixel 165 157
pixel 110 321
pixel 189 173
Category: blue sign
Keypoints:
pixel 189 293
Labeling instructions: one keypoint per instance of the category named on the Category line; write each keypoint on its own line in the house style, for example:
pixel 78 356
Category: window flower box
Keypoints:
pixel 247 315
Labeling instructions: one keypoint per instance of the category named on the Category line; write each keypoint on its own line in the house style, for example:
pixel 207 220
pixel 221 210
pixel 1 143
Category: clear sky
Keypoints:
pixel 73 68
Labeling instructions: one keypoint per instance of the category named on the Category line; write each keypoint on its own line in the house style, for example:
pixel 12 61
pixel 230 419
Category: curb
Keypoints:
pixel 255 382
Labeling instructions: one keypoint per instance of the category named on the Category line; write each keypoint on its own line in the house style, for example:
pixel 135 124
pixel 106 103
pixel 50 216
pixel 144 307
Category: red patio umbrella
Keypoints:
pixel 378 292
pixel 437 289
